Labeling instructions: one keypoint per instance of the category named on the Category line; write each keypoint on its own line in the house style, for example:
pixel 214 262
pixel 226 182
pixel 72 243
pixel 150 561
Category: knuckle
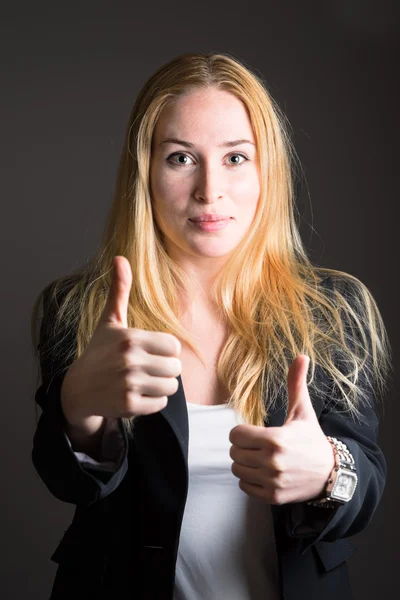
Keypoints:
pixel 172 385
pixel 276 450
pixel 133 389
pixel 175 366
pixel 129 343
pixel 276 497
pixel 175 343
pixel 129 366
pixel 131 403
pixel 278 441
pixel 279 483
pixel 277 466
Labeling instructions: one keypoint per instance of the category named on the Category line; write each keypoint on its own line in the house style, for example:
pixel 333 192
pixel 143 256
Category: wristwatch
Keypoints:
pixel 342 481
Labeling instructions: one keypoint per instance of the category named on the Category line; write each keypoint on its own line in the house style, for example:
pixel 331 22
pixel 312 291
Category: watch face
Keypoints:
pixel 345 485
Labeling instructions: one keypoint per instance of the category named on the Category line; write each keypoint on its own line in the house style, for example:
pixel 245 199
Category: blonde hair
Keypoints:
pixel 277 304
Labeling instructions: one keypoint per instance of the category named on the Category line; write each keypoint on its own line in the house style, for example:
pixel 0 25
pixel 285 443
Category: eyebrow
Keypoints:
pixel 190 145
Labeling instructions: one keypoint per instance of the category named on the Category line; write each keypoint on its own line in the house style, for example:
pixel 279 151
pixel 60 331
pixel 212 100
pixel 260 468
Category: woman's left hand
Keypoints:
pixel 284 464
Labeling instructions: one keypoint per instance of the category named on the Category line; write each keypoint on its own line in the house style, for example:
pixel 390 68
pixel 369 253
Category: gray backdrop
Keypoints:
pixel 70 74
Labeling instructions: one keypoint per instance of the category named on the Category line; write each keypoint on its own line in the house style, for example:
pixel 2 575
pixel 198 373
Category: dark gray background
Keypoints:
pixel 70 74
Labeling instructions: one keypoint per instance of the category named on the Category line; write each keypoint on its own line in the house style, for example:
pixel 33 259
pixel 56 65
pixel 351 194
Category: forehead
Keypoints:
pixel 205 115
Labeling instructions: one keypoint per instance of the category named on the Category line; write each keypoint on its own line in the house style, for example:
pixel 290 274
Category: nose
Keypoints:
pixel 209 184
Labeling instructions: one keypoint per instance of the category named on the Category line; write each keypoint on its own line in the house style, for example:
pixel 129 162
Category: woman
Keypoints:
pixel 201 313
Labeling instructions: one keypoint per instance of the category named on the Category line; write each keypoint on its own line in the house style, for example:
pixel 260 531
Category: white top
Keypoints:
pixel 227 546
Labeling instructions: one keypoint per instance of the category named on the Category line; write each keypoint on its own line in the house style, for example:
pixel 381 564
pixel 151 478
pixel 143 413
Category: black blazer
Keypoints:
pixel 125 532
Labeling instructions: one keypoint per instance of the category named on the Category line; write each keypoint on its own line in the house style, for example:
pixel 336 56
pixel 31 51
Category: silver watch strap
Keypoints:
pixel 345 460
pixel 344 454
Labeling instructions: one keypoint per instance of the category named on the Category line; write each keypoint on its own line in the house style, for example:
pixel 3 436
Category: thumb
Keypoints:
pixel 299 402
pixel 116 308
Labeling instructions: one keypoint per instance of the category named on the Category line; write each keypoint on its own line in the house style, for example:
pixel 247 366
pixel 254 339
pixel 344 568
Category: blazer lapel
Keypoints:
pixel 176 415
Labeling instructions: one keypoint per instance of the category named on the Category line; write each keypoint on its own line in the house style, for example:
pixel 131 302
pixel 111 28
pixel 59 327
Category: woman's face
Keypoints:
pixel 201 165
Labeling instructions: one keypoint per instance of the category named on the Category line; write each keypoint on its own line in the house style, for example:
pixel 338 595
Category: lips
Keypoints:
pixel 209 218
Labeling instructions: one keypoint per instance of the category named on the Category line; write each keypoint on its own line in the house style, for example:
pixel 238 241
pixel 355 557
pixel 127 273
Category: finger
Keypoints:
pixel 247 474
pixel 297 376
pixel 116 308
pixel 246 457
pixel 248 436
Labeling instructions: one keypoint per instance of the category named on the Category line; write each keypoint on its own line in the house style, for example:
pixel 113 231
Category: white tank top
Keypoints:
pixel 227 546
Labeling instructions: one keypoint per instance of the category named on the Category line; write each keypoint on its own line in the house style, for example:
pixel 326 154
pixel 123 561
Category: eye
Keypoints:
pixel 238 154
pixel 175 154
pixel 183 155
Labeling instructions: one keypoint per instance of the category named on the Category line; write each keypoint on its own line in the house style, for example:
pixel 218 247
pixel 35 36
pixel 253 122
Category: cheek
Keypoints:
pixel 246 192
pixel 169 205
pixel 166 190
pixel 246 181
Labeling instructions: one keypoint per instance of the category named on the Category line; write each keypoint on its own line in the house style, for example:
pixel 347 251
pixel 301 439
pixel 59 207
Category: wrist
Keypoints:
pixel 86 435
pixel 330 473
pixel 74 411
pixel 343 479
pixel 80 424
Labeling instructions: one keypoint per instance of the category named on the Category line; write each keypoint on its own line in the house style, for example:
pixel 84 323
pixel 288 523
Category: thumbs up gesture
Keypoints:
pixel 284 464
pixel 123 371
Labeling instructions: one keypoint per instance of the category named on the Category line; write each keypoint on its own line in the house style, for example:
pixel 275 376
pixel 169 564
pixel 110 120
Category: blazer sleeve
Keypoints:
pixel 112 447
pixel 318 523
pixel 348 519
pixel 67 474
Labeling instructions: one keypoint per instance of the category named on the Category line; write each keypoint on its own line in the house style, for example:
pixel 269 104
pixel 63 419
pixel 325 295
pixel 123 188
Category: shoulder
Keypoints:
pixel 341 281
pixel 353 315
pixel 56 291
pixel 350 291
pixel 53 322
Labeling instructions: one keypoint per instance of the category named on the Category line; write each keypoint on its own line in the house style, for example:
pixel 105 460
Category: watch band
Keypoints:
pixel 344 461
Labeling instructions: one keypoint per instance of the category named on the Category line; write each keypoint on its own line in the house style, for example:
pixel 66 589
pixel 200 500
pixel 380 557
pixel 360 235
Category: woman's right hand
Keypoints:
pixel 123 371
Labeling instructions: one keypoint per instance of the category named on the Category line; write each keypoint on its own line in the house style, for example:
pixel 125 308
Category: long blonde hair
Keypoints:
pixel 269 293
